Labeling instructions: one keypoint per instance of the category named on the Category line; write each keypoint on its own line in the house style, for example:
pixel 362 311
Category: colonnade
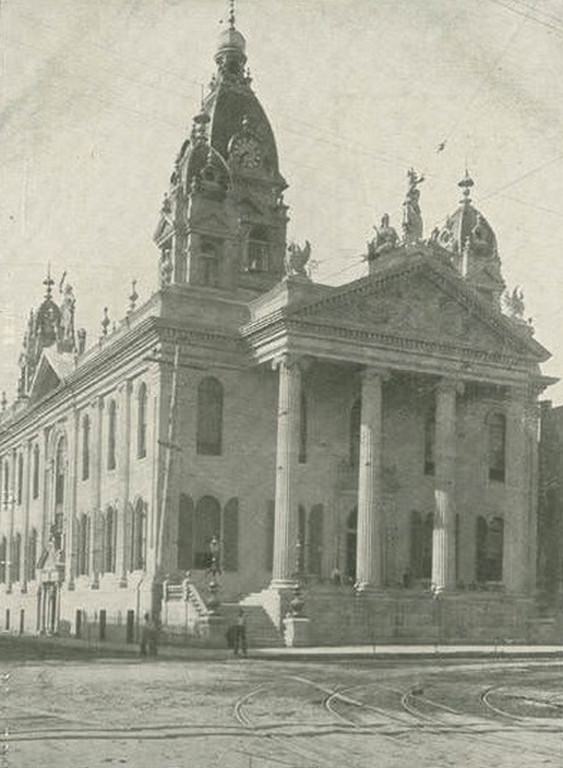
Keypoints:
pixel 520 442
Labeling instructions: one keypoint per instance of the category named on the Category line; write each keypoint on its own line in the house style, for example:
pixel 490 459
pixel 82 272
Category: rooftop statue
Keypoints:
pixel 297 259
pixel 386 238
pixel 412 217
pixel 513 304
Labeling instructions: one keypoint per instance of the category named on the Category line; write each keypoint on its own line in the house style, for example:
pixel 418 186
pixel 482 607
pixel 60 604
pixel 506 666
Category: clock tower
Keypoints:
pixel 223 221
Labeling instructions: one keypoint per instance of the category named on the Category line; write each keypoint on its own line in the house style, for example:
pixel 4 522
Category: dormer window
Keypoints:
pixel 209 263
pixel 258 256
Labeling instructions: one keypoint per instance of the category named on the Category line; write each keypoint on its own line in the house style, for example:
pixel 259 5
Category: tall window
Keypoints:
pixel 109 531
pixel 421 529
pixel 355 426
pixel 35 471
pixel 497 446
pixel 20 478
pixel 138 536
pixel 429 442
pixel 83 544
pixel 112 426
pixel 32 554
pixel 489 545
pixel 229 536
pixel 209 417
pixel 16 557
pixel 86 447
pixel 142 422
pixel 258 250
pixel 60 468
pixel 3 558
pixel 303 429
pixel 185 533
pixel 270 527
pixel 209 263
pixel 207 526
pixel 315 540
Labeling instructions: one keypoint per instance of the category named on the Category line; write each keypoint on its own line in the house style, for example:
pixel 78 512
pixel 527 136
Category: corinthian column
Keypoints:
pixel 370 503
pixel 443 539
pixel 124 469
pixel 285 531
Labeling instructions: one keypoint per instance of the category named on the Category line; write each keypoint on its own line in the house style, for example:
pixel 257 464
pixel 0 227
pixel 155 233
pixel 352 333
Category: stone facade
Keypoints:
pixel 380 435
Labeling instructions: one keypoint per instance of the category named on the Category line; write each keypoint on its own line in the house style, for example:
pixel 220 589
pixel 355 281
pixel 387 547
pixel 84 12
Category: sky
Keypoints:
pixel 97 96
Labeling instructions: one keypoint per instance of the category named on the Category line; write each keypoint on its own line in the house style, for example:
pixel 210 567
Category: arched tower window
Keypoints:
pixel 303 429
pixel 207 526
pixel 35 471
pixel 142 421
pixel 429 442
pixel 209 262
pixel 20 478
pixel 355 426
pixel 258 256
pixel 85 447
pixel 497 446
pixel 185 533
pixel 209 417
pixel 112 428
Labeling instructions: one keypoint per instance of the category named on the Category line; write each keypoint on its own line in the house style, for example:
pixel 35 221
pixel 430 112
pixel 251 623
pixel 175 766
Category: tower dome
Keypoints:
pixel 472 243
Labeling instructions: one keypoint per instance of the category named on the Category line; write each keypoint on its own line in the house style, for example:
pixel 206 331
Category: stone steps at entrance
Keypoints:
pixel 260 631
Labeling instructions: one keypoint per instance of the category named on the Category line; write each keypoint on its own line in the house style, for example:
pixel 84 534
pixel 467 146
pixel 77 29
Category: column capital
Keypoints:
pixel 371 372
pixel 450 384
pixel 291 361
pixel 97 402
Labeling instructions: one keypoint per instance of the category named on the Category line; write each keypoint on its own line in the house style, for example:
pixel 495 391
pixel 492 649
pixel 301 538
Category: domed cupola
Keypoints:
pixel 223 221
pixel 472 243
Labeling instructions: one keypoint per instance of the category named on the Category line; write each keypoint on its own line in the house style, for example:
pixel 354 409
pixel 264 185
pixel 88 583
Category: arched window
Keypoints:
pixel 142 421
pixel 258 250
pixel 209 263
pixel 355 426
pixel 207 526
pixel 315 540
pixel 35 471
pixel 303 429
pixel 489 544
pixel 138 536
pixel 497 446
pixel 230 536
pixel 3 559
pixel 86 447
pixel 421 531
pixel 31 554
pixel 20 478
pixel 429 442
pixel 109 531
pixel 185 533
pixel 112 427
pixel 351 543
pixel 83 544
pixel 209 417
pixel 16 556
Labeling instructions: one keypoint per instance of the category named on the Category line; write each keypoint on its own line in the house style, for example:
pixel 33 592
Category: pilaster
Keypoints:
pixel 70 500
pixel 124 470
pixel 26 498
pixel 98 410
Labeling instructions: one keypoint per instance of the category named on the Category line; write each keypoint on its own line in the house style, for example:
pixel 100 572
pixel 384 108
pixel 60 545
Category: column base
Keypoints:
pixel 94 584
pixel 282 584
pixel 296 631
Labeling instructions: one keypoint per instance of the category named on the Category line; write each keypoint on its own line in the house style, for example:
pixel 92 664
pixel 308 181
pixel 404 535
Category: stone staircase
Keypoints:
pixel 260 630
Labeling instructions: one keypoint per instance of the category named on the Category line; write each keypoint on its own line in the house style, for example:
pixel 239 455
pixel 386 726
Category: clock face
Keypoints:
pixel 246 151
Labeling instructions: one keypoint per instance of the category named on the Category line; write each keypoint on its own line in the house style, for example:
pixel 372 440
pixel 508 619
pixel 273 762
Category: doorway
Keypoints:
pixel 351 544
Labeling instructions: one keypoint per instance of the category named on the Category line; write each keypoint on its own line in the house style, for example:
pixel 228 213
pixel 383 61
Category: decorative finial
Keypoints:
pixel 232 14
pixel 133 297
pixel 3 402
pixel 48 282
pixel 105 322
pixel 465 184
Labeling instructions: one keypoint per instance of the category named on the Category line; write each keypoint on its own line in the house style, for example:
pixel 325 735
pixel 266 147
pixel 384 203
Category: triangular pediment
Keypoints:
pixel 52 369
pixel 422 302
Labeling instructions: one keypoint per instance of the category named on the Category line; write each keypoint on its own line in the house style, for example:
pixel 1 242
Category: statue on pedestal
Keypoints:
pixel 412 217
pixel 296 259
pixel 386 239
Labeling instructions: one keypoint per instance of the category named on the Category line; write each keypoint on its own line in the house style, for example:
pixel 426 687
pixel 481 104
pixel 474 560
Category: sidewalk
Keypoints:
pixel 70 647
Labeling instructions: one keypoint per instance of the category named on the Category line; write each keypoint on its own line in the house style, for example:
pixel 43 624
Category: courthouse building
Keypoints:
pixel 377 440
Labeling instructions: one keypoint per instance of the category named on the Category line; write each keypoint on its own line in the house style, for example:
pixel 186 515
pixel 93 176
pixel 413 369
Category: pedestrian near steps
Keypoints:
pixel 149 637
pixel 240 634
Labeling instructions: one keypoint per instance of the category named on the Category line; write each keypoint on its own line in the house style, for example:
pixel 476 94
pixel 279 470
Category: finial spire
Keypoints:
pixel 232 16
pixel 465 184
pixel 48 282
